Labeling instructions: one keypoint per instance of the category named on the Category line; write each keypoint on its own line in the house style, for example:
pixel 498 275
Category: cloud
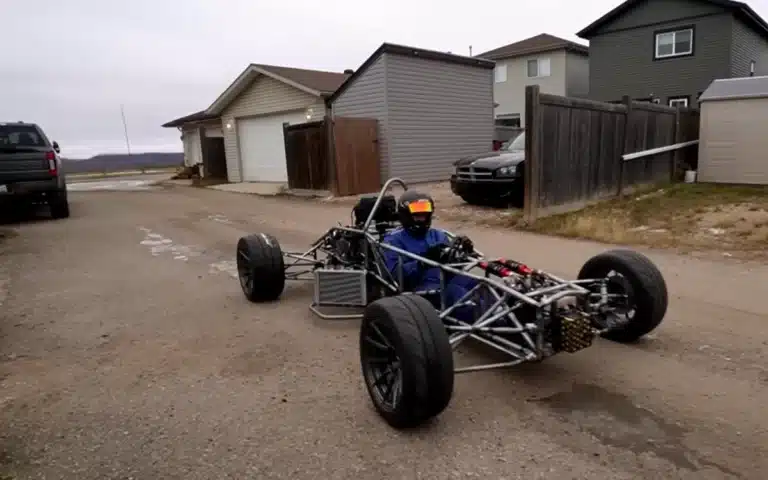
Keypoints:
pixel 165 59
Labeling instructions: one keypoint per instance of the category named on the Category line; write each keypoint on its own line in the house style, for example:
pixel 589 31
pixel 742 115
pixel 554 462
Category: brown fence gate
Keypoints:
pixel 306 156
pixel 356 147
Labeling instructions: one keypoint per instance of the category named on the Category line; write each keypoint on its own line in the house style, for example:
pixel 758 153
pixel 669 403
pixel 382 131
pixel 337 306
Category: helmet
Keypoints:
pixel 415 212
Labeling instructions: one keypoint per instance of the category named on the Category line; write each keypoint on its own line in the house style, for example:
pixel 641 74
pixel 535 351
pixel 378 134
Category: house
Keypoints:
pixel 732 139
pixel 197 130
pixel 250 115
pixel 432 108
pixel 669 51
pixel 558 66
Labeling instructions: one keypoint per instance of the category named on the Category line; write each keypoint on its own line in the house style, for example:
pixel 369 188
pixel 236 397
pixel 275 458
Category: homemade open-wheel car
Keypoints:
pixel 407 338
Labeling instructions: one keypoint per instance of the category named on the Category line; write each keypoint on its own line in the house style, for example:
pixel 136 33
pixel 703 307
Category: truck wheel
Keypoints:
pixel 260 267
pixel 633 274
pixel 406 359
pixel 59 204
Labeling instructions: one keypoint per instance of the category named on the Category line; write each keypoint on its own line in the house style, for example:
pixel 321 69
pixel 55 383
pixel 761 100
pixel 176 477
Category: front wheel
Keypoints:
pixel 406 359
pixel 260 267
pixel 639 290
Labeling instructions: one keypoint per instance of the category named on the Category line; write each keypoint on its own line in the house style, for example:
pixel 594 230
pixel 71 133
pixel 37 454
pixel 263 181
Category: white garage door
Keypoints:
pixel 262 147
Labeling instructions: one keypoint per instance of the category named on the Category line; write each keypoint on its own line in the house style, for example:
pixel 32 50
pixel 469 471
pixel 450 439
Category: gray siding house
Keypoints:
pixel 432 108
pixel 557 66
pixel 669 51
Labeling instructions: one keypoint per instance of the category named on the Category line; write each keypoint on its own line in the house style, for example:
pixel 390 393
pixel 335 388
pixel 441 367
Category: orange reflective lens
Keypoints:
pixel 420 206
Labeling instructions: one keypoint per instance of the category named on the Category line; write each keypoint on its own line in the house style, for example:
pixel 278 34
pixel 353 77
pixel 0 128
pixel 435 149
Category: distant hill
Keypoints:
pixel 122 162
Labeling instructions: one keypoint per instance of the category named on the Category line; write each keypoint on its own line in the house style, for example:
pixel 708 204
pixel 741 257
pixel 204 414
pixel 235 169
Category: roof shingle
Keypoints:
pixel 732 88
pixel 322 81
pixel 541 43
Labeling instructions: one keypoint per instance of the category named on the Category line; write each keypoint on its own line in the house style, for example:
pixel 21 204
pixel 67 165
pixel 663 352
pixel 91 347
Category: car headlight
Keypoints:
pixel 506 172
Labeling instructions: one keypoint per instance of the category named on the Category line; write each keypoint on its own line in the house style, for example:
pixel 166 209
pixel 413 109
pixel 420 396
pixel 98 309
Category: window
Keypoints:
pixel 13 136
pixel 674 44
pixel 678 101
pixel 500 73
pixel 538 67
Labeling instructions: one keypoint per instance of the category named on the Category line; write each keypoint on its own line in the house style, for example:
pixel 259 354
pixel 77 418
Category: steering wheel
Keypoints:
pixel 459 249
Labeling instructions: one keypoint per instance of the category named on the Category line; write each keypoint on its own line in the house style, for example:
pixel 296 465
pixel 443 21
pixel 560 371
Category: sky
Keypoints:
pixel 164 59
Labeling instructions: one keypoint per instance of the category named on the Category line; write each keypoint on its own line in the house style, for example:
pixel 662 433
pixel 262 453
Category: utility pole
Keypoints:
pixel 470 50
pixel 125 129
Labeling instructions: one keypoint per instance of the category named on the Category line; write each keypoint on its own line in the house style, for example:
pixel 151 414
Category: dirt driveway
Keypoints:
pixel 128 351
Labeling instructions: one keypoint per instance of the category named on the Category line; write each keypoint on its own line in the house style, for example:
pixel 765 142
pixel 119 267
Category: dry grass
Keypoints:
pixel 691 217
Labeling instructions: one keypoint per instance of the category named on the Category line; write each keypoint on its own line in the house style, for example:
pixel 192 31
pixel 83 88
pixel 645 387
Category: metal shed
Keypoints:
pixel 432 108
pixel 732 138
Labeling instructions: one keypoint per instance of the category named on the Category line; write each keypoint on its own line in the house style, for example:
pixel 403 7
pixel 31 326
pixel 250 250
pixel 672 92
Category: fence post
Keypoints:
pixel 627 101
pixel 330 150
pixel 533 131
pixel 677 136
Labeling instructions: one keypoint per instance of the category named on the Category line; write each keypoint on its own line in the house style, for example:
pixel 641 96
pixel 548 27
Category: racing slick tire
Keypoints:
pixel 646 287
pixel 260 267
pixel 406 359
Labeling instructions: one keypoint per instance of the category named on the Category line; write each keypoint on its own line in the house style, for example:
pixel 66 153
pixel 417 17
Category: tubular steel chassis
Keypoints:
pixel 497 327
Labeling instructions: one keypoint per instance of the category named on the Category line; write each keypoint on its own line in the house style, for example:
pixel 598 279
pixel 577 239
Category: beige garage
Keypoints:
pixel 249 115
pixel 732 139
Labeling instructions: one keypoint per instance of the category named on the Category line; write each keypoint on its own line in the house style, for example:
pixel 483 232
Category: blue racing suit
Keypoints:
pixel 418 276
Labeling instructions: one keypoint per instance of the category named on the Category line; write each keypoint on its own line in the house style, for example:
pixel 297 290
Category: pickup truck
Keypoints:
pixel 30 168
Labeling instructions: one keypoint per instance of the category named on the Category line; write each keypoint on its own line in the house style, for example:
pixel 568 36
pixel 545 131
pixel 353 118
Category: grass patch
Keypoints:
pixel 699 216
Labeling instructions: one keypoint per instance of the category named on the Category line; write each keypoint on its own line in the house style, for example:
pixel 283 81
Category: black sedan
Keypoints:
pixel 494 178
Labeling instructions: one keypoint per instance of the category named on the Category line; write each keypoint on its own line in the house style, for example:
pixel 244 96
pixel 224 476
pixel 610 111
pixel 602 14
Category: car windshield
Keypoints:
pixel 517 145
pixel 13 136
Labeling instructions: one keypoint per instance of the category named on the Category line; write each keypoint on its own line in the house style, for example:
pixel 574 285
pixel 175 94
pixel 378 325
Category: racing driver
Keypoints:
pixel 417 236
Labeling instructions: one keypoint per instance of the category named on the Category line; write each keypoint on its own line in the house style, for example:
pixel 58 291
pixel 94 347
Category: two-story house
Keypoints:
pixel 558 66
pixel 669 51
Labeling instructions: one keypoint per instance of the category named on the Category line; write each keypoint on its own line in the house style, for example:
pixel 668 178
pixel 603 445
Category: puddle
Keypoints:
pixel 616 421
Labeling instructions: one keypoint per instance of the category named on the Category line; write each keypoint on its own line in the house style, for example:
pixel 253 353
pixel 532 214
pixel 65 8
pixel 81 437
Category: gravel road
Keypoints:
pixel 128 351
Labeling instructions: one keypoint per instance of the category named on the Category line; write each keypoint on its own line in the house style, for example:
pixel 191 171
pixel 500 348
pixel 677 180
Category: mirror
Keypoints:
pixel 56 147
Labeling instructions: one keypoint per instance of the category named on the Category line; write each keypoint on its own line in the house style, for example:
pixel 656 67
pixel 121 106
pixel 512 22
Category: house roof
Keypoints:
pixel 541 43
pixel 736 88
pixel 314 82
pixel 192 117
pixel 742 10
pixel 404 50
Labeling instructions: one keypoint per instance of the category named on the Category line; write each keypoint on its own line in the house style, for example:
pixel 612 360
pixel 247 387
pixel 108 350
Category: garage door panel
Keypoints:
pixel 262 147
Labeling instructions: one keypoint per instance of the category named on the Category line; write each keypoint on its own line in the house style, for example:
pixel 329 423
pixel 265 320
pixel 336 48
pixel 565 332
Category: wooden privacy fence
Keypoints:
pixel 574 148
pixel 306 156
pixel 340 155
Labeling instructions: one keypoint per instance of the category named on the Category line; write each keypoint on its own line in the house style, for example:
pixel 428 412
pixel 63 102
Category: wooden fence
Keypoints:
pixel 306 156
pixel 340 155
pixel 574 149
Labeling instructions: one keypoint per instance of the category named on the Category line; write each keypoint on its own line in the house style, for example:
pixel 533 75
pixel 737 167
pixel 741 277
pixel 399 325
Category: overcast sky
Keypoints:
pixel 69 64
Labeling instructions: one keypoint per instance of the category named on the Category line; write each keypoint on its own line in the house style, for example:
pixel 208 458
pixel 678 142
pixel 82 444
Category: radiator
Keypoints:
pixel 340 288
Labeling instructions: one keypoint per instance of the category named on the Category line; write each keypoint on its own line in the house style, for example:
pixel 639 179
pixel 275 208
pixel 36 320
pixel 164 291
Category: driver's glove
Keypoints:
pixel 435 252
pixel 466 243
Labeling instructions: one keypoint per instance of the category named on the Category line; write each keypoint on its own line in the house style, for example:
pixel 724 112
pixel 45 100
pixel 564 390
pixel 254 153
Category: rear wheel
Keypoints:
pixel 59 204
pixel 260 267
pixel 639 292
pixel 406 359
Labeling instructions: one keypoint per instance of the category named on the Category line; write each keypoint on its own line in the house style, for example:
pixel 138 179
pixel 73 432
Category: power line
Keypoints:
pixel 125 129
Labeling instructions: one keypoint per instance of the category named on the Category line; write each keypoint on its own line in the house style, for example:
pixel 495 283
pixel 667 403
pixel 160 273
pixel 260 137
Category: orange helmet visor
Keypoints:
pixel 420 206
